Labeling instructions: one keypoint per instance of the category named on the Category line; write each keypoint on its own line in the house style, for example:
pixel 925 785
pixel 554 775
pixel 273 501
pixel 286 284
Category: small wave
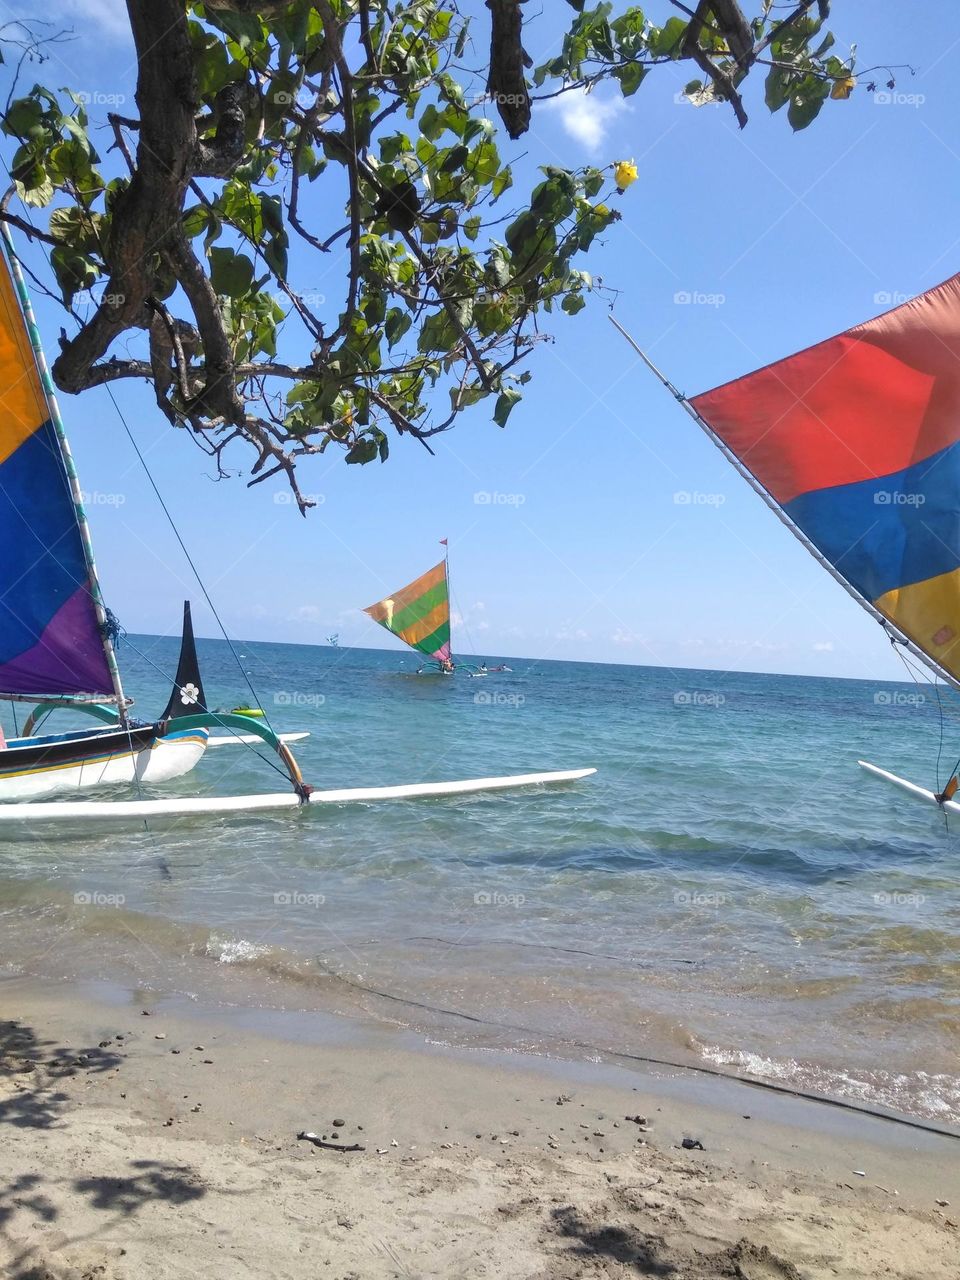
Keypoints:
pixel 234 950
pixel 934 1096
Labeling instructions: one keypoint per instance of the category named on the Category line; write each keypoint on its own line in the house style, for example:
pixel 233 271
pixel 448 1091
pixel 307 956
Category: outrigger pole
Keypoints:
pixel 892 632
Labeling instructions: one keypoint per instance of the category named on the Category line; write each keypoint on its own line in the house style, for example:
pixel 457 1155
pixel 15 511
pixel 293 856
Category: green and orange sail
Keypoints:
pixel 419 614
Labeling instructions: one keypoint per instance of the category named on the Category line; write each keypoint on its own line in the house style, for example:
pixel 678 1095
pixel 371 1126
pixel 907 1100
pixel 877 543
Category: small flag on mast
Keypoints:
pixel 443 542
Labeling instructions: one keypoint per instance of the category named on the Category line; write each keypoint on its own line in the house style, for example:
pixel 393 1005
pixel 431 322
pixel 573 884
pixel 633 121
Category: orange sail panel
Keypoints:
pixel 419 614
pixel 857 440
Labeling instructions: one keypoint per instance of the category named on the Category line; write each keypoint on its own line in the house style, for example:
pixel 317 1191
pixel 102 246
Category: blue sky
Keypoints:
pixel 612 529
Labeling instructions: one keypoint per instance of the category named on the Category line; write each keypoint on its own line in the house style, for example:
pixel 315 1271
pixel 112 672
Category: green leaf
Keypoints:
pixel 363 451
pixel 455 158
pixel 437 334
pixel 631 76
pixel 463 397
pixel 776 90
pixel 275 255
pixel 396 325
pixel 35 188
pixel 231 273
pixel 194 220
pixel 665 41
pixel 507 398
pixel 244 29
pixel 74 271
pixel 210 60
pixel 24 115
pixel 806 101
pixel 431 123
pixel 76 228
pixel 484 163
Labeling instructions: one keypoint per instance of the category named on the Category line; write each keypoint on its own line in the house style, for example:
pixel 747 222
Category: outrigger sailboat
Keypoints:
pixel 56 634
pixel 854 444
pixel 57 638
pixel 419 615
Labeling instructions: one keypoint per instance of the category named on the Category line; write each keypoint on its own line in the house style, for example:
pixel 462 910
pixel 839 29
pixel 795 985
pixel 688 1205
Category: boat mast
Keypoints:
pixel 444 542
pixel 69 468
pixel 892 632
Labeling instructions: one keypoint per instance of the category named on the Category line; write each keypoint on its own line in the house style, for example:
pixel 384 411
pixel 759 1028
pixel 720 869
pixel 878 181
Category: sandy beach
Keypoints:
pixel 143 1142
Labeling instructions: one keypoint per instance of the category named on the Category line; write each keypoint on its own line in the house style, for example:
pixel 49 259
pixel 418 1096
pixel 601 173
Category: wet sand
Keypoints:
pixel 141 1140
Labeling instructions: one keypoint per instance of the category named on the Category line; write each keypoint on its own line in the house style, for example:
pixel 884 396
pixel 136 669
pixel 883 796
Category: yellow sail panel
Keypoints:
pixel 23 406
pixel 928 613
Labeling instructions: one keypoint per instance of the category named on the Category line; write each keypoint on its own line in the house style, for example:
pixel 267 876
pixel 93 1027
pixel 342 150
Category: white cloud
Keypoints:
pixel 823 646
pixel 587 117
pixel 719 644
pixel 623 637
pixel 305 613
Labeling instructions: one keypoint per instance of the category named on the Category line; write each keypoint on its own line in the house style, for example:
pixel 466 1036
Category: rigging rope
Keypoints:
pixel 183 548
pixel 914 673
pixel 206 595
pixel 462 615
pixel 111 628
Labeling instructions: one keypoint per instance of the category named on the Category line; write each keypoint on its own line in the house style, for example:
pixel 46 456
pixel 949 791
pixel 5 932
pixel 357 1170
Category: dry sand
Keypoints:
pixel 165 1146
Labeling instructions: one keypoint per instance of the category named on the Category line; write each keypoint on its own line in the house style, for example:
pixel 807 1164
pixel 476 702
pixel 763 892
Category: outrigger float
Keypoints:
pixel 57 640
pixel 854 444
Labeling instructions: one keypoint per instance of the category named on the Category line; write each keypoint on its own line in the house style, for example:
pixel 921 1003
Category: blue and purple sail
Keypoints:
pixel 52 641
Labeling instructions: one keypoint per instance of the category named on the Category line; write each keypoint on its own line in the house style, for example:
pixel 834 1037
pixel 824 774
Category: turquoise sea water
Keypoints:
pixel 729 890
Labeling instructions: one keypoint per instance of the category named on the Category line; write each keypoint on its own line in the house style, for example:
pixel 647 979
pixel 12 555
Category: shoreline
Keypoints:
pixel 164 1144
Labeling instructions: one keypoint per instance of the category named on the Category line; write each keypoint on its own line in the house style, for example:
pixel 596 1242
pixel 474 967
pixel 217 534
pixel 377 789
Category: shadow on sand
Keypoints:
pixel 33 1073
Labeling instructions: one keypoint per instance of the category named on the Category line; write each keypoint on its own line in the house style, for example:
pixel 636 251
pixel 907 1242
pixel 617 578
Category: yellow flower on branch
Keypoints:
pixel 843 88
pixel 624 173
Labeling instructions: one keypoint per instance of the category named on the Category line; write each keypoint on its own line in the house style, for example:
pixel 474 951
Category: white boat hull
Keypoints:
pixel 91 812
pixel 167 758
pixel 911 788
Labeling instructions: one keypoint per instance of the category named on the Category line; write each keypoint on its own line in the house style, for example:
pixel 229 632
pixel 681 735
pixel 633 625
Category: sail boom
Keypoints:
pixel 889 627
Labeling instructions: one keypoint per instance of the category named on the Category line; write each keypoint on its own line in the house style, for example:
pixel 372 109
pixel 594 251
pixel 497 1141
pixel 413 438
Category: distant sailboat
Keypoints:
pixel 419 615
pixel 854 444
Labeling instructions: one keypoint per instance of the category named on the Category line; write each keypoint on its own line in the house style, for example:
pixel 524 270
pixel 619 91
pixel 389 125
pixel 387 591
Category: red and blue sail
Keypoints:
pixel 857 439
pixel 50 638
